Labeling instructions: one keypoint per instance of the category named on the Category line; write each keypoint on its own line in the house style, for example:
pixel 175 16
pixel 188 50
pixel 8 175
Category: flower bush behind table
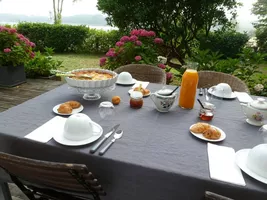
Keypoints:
pixel 15 49
pixel 138 48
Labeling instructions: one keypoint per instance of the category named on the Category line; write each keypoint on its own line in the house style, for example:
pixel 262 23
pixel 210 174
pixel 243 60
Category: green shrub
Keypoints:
pixel 42 64
pixel 261 34
pixel 229 43
pixel 62 38
pixel 99 41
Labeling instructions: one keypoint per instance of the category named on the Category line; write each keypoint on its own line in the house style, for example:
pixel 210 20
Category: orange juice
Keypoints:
pixel 188 89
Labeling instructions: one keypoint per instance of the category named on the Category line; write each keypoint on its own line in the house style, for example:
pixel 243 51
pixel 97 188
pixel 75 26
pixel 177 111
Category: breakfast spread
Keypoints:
pixel 92 75
pixel 67 107
pixel 206 130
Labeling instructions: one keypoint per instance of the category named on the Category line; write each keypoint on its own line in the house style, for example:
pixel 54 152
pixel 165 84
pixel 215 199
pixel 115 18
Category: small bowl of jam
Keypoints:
pixel 207 113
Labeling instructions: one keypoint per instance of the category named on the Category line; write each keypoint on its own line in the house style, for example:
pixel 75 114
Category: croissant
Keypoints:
pixel 212 134
pixel 74 104
pixel 199 127
pixel 65 108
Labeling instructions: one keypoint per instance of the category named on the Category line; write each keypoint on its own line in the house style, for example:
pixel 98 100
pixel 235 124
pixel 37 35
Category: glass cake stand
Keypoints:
pixel 94 93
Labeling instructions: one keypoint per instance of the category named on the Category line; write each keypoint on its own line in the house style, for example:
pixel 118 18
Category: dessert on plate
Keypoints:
pixel 67 107
pixel 141 89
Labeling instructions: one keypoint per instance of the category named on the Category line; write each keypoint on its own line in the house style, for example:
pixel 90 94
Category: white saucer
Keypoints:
pixel 200 135
pixel 132 83
pixel 97 129
pixel 241 159
pixel 131 90
pixel 254 123
pixel 233 95
pixel 76 110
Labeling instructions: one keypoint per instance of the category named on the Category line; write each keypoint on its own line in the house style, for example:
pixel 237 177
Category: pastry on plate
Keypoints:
pixel 212 133
pixel 141 89
pixel 200 127
pixel 65 108
pixel 74 104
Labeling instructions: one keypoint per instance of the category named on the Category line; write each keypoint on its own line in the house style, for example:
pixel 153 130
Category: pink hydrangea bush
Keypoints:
pixel 140 47
pixel 15 49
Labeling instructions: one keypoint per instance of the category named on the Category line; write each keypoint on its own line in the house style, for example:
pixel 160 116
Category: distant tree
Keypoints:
pixel 178 22
pixel 260 9
pixel 57 8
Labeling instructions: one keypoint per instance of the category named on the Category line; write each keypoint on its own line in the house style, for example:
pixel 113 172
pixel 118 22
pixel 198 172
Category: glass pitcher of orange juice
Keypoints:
pixel 188 89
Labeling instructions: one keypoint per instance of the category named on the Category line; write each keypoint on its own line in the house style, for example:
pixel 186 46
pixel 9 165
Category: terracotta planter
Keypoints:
pixel 11 76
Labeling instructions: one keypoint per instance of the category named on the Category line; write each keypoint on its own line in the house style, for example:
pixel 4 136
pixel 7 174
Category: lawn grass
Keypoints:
pixel 77 61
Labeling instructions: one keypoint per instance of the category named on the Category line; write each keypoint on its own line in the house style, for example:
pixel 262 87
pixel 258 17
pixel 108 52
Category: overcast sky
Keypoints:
pixel 42 8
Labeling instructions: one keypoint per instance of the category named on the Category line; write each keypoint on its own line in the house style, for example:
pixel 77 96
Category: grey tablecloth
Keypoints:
pixel 157 157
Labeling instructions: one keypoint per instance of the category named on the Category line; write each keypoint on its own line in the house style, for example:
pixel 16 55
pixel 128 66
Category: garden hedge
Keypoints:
pixel 63 38
pixel 228 43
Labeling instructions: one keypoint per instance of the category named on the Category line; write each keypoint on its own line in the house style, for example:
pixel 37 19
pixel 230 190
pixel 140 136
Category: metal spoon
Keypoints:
pixel 116 136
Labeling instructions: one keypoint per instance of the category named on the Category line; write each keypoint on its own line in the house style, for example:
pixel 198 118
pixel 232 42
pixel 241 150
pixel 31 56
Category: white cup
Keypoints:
pixel 78 127
pixel 222 90
pixel 125 78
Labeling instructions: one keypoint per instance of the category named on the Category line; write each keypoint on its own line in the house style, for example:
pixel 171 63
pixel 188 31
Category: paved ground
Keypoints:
pixel 10 97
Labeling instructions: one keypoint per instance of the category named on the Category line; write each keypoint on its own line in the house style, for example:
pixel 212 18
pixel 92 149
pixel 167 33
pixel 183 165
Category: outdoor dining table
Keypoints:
pixel 156 158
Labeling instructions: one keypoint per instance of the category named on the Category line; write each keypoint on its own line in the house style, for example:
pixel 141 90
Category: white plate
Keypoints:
pixel 76 110
pixel 241 159
pixel 133 82
pixel 200 135
pixel 131 90
pixel 97 129
pixel 233 95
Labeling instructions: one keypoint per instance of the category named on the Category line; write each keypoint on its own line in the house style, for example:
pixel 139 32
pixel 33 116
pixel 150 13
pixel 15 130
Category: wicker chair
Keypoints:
pixel 144 72
pixel 213 196
pixel 210 78
pixel 50 180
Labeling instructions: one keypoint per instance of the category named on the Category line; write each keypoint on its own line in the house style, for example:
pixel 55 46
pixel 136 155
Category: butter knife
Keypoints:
pixel 107 135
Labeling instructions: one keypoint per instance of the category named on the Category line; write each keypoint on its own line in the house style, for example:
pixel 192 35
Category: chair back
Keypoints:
pixel 211 78
pixel 143 72
pixel 63 176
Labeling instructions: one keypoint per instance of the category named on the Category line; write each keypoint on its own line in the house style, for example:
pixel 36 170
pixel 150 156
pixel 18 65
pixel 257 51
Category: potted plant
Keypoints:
pixel 138 48
pixel 15 51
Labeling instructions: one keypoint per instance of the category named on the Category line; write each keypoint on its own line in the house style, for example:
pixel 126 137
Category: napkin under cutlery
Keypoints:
pixel 243 97
pixel 45 132
pixel 144 84
pixel 222 165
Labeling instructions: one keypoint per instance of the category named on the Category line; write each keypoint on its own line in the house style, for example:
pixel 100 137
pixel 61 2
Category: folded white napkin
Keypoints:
pixel 45 132
pixel 144 84
pixel 222 165
pixel 243 97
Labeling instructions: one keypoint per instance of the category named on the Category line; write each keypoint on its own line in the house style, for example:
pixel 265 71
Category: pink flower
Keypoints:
pixel 32 44
pixel 138 58
pixel 32 55
pixel 119 44
pixel 133 38
pixel 125 39
pixel 144 33
pixel 135 32
pixel 12 30
pixel 7 50
pixel 151 33
pixel 162 66
pixel 103 61
pixel 111 49
pixel 138 43
pixel 17 44
pixel 158 40
pixel 111 54
pixel 169 75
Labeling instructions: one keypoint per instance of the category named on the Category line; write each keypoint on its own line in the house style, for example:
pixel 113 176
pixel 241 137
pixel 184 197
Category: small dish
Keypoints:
pixel 97 129
pixel 76 110
pixel 200 135
pixel 132 83
pixel 241 161
pixel 232 96
pixel 131 90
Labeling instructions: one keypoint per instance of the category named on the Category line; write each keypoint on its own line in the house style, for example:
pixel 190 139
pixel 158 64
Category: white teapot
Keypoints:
pixel 255 111
pixel 162 101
